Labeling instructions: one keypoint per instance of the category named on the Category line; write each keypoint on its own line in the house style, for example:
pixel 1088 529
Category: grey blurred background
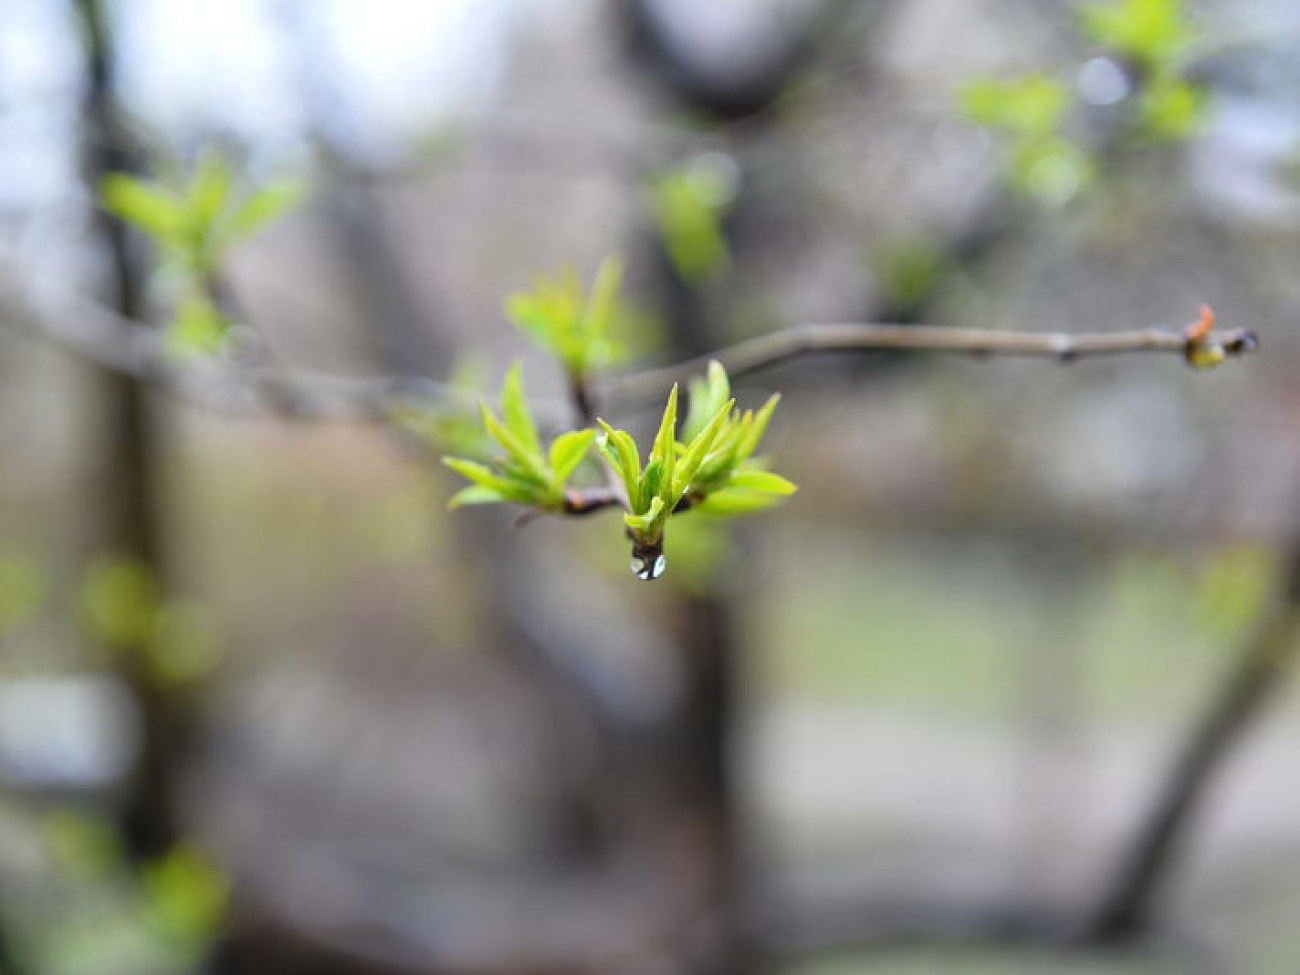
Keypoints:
pixel 1004 688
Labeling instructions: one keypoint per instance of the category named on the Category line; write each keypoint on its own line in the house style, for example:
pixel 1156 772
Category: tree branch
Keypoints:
pixel 754 355
pixel 101 335
pixel 98 334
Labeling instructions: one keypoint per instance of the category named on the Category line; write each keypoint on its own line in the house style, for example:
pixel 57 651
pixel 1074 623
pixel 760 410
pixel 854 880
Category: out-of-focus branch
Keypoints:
pixel 103 336
pixel 766 351
pixel 1259 670
pixel 98 334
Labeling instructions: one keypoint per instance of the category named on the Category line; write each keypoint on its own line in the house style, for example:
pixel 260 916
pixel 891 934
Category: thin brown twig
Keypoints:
pixel 754 355
pixel 99 334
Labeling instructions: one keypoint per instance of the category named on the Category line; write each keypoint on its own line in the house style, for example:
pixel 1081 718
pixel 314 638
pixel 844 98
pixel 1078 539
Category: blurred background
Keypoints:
pixel 1005 688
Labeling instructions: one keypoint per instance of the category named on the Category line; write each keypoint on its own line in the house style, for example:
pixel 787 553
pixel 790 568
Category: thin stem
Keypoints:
pixel 766 351
pixel 101 335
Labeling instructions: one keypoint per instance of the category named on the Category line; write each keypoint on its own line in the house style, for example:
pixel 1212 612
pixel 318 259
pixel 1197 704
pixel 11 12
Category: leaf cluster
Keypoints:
pixel 1044 163
pixel 193 221
pixel 578 329
pixel 1151 39
pixel 1156 39
pixel 525 474
pixel 121 604
pixel 689 203
pixel 711 469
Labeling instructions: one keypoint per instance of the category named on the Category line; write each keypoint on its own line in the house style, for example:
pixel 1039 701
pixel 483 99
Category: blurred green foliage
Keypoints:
pixel 525 474
pixel 121 605
pixel 22 591
pixel 581 331
pixel 1156 39
pixel 1043 163
pixel 162 917
pixel 689 204
pixel 184 898
pixel 1151 40
pixel 193 221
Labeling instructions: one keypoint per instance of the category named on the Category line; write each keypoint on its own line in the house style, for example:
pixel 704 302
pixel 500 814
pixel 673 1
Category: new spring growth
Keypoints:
pixel 711 469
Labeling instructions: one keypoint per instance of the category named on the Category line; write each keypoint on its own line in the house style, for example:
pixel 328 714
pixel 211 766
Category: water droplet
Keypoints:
pixel 647 569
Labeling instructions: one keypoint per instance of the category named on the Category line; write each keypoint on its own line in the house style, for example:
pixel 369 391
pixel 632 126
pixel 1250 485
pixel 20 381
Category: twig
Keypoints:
pixel 1257 674
pixel 766 351
pixel 99 334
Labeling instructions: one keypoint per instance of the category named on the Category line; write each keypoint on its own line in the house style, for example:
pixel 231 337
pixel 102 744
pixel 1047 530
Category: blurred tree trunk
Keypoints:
pixel 1256 675
pixel 128 495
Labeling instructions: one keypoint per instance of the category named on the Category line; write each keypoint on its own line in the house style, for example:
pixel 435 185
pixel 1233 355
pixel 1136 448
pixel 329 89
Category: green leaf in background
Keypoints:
pixel 185 898
pixel 514 408
pixel 706 396
pixel 1171 108
pixel 145 204
pixel 1153 33
pixel 85 847
pixel 199 328
pixel 762 481
pixel 581 331
pixel 186 644
pixel 21 593
pixel 264 206
pixel 119 599
pixel 1052 170
pixel 207 200
pixel 1030 106
pixel 911 269
pixel 689 203
pixel 732 501
pixel 192 225
pixel 476 494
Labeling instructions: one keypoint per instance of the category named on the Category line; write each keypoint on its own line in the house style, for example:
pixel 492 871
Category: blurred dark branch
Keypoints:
pixel 766 351
pixel 1257 674
pixel 147 813
pixel 10 963
pixel 99 334
pixel 406 340
pixel 106 337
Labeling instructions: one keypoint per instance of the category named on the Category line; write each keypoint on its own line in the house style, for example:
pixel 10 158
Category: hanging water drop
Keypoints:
pixel 649 566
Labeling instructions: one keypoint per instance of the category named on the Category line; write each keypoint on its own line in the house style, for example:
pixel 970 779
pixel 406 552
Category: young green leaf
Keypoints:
pixel 707 395
pixel 568 451
pixel 689 464
pixel 476 494
pixel 763 481
pixel 664 451
pixel 528 459
pixel 264 206
pixel 644 523
pixel 146 204
pixel 732 501
pixel 207 196
pixel 619 449
pixel 756 428
pixel 514 407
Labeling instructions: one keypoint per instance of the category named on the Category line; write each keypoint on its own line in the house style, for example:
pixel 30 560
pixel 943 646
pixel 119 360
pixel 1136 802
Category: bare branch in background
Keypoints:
pixel 100 335
pixel 766 351
pixel 1259 671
